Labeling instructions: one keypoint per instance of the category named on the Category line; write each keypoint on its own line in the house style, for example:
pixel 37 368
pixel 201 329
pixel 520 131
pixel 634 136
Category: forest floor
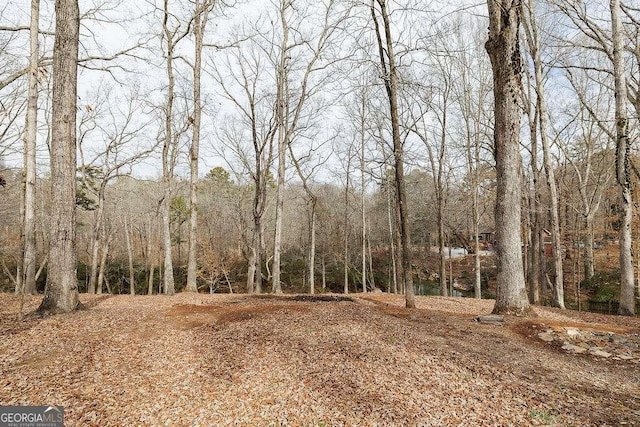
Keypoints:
pixel 204 360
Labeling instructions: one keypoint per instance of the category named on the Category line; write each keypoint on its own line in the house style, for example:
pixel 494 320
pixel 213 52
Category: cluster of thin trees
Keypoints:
pixel 369 93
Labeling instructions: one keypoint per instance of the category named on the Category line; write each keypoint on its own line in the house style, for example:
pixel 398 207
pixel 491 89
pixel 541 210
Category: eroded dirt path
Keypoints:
pixel 246 360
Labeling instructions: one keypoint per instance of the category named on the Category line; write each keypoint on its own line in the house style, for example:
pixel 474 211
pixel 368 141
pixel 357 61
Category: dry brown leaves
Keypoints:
pixel 202 360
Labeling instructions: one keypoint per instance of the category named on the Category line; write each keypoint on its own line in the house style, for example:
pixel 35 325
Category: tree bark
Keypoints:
pixel 392 246
pixel 441 238
pixel 132 276
pixel 167 155
pixel 363 205
pixel 534 50
pixel 473 160
pixel 503 49
pixel 251 269
pixel 31 125
pixel 200 22
pixel 387 62
pixel 535 208
pixel 281 78
pixel 627 286
pixel 324 273
pixel 96 242
pixel 150 284
pixel 536 233
pixel 150 258
pixel 61 292
pixel 346 226
pixel 589 261
pixel 259 208
pixel 168 281
pixel 312 245
pixel 103 265
pixel 475 212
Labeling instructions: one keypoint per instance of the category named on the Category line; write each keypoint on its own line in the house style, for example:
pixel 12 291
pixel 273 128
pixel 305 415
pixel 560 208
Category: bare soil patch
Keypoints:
pixel 303 360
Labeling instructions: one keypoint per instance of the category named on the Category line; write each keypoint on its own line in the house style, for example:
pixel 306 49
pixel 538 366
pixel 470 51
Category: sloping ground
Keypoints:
pixel 206 360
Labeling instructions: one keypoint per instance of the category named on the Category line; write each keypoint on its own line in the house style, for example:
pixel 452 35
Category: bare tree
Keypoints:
pixel 298 49
pixel 535 233
pixel 363 201
pixel 312 204
pixel 504 51
pixel 61 292
pixel 346 231
pixel 28 279
pixel 472 89
pixel 627 288
pixel 173 31
pixel 434 139
pixel 589 156
pixel 256 123
pixel 605 45
pixel 201 17
pixel 531 35
pixel 122 134
pixel 390 76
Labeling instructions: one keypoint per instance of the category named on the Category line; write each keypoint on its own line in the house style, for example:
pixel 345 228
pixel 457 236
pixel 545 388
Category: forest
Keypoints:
pixel 245 146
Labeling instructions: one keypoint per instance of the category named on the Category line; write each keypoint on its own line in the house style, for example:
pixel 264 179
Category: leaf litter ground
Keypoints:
pixel 362 360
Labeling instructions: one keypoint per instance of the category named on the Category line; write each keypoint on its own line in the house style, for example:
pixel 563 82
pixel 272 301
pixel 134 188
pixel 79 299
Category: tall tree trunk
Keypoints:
pixel 132 276
pixel 398 241
pixel 503 49
pixel 31 125
pixel 96 242
pixel 254 274
pixel 324 273
pixel 363 204
pixel 589 263
pixel 259 202
pixel 251 269
pixel 103 265
pixel 534 50
pixel 475 212
pixel 167 156
pixel 346 226
pixel 150 258
pixel 537 239
pixel 168 281
pixel 441 245
pixel 275 285
pixel 200 22
pixel 535 267
pixel 150 284
pixel 61 292
pixel 627 286
pixel 281 118
pixel 260 249
pixel 312 247
pixel 440 199
pixel 391 222
pixel 387 62
pixel 473 160
pixel 372 278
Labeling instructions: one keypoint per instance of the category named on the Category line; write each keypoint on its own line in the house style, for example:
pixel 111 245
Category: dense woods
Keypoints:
pixel 329 146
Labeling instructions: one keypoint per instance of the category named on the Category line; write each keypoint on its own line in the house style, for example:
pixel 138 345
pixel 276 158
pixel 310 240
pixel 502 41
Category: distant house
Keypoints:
pixel 487 236
pixel 486 239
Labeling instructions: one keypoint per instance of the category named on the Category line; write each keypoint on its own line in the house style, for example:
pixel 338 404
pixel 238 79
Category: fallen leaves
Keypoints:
pixel 202 360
